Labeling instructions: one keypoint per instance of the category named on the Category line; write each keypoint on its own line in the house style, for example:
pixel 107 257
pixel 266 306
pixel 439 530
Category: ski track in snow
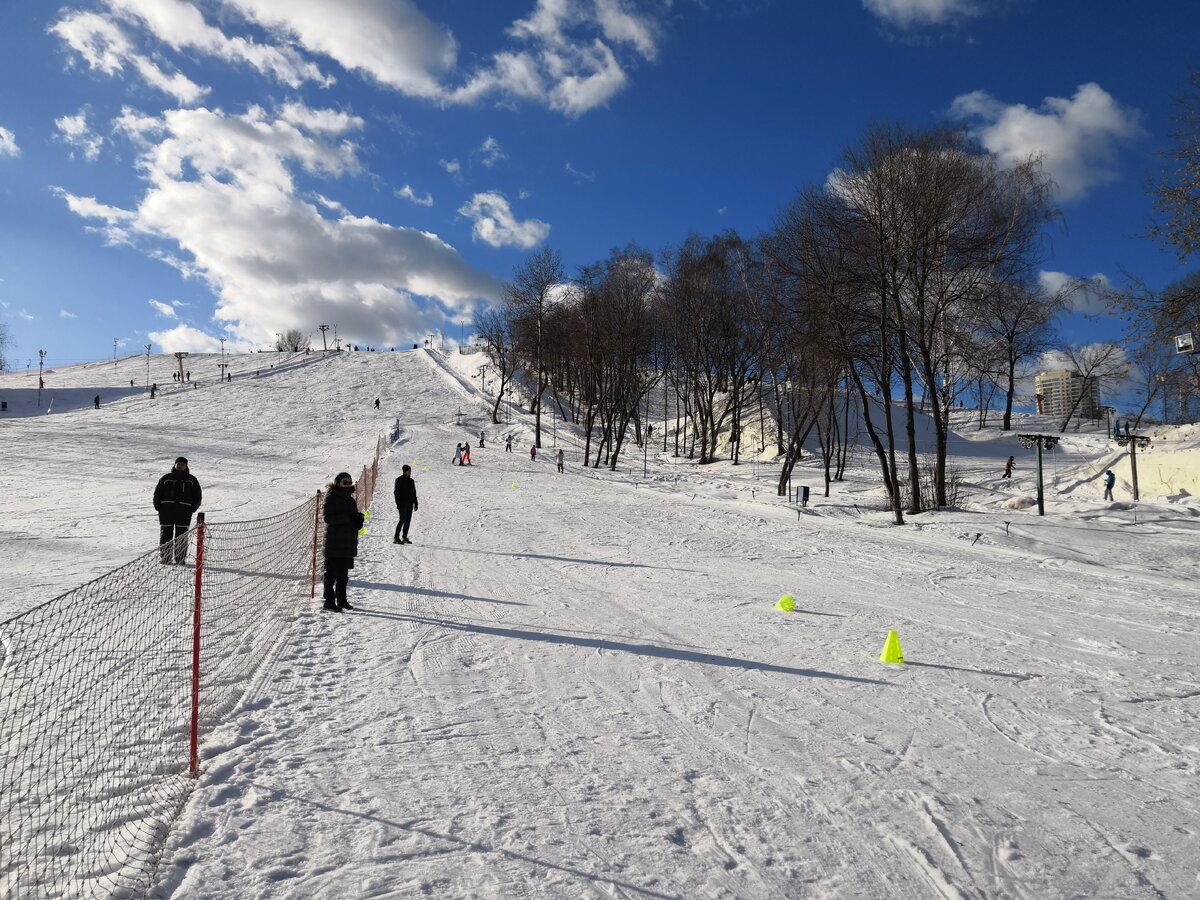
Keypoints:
pixel 575 685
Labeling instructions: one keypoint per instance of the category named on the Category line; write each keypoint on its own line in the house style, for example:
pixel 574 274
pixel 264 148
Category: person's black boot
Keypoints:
pixel 331 606
pixel 344 604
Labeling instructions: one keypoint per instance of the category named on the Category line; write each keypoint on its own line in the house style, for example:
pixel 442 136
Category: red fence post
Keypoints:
pixel 194 763
pixel 316 527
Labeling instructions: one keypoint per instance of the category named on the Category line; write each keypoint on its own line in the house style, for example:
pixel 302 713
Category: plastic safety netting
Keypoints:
pixel 97 700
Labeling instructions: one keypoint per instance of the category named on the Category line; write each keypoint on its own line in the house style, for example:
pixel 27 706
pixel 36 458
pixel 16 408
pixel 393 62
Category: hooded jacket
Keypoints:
pixel 176 497
pixel 342 521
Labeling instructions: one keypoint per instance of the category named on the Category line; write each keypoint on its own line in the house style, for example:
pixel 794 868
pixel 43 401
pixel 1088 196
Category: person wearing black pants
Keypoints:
pixel 176 497
pixel 406 504
pixel 342 522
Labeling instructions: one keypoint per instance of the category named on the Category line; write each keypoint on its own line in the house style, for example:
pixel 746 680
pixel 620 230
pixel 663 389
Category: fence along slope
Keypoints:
pixel 95 701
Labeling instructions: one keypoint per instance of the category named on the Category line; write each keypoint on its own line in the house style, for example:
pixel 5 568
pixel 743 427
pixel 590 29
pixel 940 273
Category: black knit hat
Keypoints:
pixel 181 459
pixel 337 479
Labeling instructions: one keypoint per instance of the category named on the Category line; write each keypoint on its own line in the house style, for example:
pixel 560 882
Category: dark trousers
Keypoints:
pixel 172 543
pixel 402 523
pixel 337 574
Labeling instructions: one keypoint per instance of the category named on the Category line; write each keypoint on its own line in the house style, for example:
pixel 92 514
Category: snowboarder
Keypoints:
pixel 342 522
pixel 405 493
pixel 508 443
pixel 377 403
pixel 457 461
pixel 466 454
pixel 176 497
pixel 1109 480
pixel 559 459
pixel 1008 468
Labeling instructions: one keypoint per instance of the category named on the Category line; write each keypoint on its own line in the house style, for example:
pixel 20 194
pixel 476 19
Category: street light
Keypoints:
pixel 1042 442
pixel 41 362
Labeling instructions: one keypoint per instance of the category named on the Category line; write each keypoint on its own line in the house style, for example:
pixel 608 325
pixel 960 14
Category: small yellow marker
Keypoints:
pixel 891 649
pixel 787 603
pixel 514 484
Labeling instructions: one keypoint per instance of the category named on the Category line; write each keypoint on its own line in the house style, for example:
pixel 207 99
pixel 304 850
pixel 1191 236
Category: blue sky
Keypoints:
pixel 175 172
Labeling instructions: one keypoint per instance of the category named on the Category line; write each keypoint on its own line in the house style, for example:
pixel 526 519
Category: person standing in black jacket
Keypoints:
pixel 176 497
pixel 406 504
pixel 342 522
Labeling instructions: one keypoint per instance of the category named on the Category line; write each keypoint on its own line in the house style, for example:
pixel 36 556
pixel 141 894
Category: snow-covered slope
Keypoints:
pixel 577 685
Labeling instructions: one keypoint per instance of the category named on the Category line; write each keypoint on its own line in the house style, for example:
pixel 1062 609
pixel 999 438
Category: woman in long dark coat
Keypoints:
pixel 342 522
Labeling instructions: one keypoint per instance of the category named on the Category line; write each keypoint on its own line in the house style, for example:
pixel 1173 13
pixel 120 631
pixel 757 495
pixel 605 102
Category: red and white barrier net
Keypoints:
pixel 99 713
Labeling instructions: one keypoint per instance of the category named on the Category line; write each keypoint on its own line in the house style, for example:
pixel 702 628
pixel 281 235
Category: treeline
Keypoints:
pixel 906 281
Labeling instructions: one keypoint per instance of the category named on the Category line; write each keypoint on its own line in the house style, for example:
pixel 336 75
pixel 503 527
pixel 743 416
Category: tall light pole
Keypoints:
pixel 148 346
pixel 116 341
pixel 222 340
pixel 41 363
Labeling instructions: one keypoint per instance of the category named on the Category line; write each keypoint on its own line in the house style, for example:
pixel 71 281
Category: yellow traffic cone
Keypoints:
pixel 786 603
pixel 891 649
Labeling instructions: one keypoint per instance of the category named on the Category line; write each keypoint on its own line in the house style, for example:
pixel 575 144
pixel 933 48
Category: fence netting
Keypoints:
pixel 96 701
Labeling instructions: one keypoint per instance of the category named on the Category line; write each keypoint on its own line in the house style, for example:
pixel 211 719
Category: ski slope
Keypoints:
pixel 576 685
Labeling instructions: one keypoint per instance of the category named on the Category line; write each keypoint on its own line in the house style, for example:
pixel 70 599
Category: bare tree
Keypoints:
pixel 5 340
pixel 530 293
pixel 495 327
pixel 1094 363
pixel 293 340
pixel 1176 191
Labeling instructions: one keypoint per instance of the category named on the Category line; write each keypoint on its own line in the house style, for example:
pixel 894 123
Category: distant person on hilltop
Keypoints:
pixel 176 497
pixel 342 522
pixel 1008 468
pixel 1109 480
pixel 405 492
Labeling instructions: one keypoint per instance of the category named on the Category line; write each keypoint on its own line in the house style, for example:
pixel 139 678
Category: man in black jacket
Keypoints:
pixel 342 522
pixel 176 497
pixel 406 504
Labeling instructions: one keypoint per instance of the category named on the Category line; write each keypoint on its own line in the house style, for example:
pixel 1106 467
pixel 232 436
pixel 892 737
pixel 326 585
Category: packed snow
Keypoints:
pixel 578 685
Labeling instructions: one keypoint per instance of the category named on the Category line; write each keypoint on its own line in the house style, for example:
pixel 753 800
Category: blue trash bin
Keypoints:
pixel 802 494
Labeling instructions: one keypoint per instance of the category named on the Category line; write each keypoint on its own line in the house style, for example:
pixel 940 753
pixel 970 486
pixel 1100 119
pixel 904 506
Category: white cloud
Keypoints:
pixel 1084 295
pixel 74 130
pixel 22 313
pixel 164 309
pixel 181 26
pixel 491 152
pixel 8 143
pixel 452 166
pixel 185 339
pixel 577 175
pixel 916 13
pixel 105 47
pixel 221 204
pixel 496 226
pixel 392 42
pixel 408 193
pixel 1078 138
pixel 66 314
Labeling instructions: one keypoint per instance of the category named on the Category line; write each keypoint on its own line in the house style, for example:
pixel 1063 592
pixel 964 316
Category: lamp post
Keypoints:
pixel 1042 442
pixel 1134 441
pixel 41 363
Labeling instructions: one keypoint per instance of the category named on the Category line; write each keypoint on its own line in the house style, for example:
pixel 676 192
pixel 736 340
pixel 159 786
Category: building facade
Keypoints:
pixel 1058 390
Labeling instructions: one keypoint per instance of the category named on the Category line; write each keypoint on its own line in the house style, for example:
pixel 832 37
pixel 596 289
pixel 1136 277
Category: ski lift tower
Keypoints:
pixel 1042 442
pixel 180 356
pixel 1135 442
